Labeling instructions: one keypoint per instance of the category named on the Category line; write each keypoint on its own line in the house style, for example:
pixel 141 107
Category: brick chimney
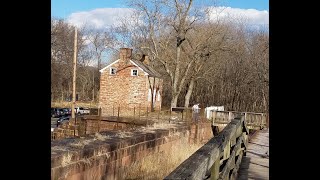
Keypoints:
pixel 145 59
pixel 125 55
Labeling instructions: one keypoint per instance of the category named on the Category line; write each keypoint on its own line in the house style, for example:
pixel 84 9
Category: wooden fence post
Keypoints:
pixel 245 117
pixel 215 170
pixel 230 116
pixel 214 115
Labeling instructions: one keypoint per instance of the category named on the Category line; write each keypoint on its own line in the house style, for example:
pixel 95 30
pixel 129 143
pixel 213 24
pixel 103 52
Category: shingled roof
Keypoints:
pixel 146 68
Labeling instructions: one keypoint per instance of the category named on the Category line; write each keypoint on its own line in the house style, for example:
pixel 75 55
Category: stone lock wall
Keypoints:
pixel 107 158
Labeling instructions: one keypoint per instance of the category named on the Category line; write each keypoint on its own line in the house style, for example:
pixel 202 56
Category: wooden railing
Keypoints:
pixel 253 120
pixel 219 158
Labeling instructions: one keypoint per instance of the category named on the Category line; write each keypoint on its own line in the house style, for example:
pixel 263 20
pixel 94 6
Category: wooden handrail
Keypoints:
pixel 253 120
pixel 207 160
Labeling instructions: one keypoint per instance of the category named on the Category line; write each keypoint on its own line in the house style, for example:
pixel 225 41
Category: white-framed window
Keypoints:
pixel 134 72
pixel 113 71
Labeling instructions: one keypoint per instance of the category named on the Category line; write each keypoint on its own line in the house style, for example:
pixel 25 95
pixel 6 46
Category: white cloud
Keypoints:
pixel 99 18
pixel 103 17
pixel 250 16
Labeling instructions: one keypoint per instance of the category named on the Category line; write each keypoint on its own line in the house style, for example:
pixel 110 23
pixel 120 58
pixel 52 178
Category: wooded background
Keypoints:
pixel 202 60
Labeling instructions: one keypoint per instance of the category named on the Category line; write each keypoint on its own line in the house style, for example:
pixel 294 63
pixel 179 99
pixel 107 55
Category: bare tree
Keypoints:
pixel 167 24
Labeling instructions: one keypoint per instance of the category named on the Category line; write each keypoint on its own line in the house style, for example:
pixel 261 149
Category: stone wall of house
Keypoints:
pixel 123 90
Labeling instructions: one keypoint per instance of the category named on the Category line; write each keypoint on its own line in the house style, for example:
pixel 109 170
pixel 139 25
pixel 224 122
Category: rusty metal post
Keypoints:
pixel 186 114
pixel 134 112
pixel 139 111
pixel 74 127
pixel 147 110
pixel 182 114
pixel 85 127
pixel 99 119
pixel 147 113
pixel 170 115
pixel 118 118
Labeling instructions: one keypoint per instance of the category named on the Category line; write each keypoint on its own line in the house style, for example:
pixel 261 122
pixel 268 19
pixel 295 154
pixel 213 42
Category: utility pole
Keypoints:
pixel 93 85
pixel 74 75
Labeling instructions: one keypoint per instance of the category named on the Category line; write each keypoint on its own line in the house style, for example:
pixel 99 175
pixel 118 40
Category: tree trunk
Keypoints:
pixel 174 100
pixel 265 102
pixel 188 95
pixel 175 90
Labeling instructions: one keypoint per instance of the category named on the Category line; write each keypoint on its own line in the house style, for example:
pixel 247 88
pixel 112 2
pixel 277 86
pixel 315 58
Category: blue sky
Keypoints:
pixel 64 8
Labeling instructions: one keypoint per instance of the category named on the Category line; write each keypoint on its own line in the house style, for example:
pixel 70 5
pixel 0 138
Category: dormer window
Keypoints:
pixel 113 71
pixel 134 72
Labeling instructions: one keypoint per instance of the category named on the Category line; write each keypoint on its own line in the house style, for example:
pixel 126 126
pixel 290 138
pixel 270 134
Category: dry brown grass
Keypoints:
pixel 65 104
pixel 101 137
pixel 66 159
pixel 82 143
pixel 159 165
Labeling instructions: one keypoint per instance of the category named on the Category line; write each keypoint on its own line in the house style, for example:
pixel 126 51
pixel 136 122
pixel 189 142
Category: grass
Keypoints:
pixel 155 166
pixel 66 104
pixel 159 165
pixel 82 143
pixel 66 159
pixel 101 137
pixel 59 148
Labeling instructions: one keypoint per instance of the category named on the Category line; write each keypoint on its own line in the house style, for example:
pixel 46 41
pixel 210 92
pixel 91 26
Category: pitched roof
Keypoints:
pixel 146 68
pixel 101 70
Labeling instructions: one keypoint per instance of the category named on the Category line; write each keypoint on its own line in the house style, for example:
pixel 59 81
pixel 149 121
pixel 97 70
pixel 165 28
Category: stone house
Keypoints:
pixel 128 83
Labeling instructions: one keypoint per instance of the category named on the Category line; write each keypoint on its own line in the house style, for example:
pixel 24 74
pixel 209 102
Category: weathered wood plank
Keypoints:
pixel 199 165
pixel 236 167
pixel 231 161
pixel 255 165
pixel 215 170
